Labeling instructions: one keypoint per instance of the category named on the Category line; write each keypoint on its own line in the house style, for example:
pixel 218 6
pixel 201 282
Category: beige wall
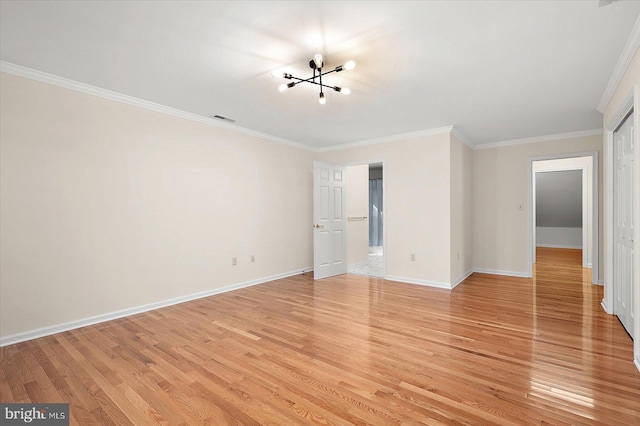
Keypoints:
pixel 500 183
pixel 107 206
pixel 357 205
pixel 417 204
pixel 630 79
pixel 461 200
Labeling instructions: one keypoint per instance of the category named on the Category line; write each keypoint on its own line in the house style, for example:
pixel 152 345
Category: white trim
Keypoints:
pixel 614 122
pixel 630 49
pixel 363 162
pixel 461 279
pixel 558 246
pixel 59 328
pixel 43 77
pixel 391 138
pixel 18 70
pixel 584 207
pixel 427 283
pixel 595 238
pixel 569 135
pixel 501 272
pixel 88 89
pixel 597 267
pixel 607 297
pixel 462 138
pixel 630 102
pixel 585 221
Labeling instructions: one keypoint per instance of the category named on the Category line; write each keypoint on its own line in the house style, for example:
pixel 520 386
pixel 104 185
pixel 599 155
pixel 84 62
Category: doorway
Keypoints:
pixel 562 209
pixel 562 230
pixel 365 219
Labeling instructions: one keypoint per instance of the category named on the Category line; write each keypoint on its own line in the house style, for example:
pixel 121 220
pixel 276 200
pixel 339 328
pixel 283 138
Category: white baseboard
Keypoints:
pixel 501 272
pixel 462 278
pixel 636 361
pixel 558 246
pixel 418 282
pixel 58 328
pixel 605 307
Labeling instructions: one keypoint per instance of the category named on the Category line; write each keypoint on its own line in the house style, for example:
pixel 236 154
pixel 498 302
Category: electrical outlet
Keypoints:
pixel 253 258
pixel 413 257
pixel 234 261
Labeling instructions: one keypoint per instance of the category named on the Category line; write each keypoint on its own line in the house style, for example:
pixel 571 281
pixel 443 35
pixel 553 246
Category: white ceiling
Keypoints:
pixel 497 70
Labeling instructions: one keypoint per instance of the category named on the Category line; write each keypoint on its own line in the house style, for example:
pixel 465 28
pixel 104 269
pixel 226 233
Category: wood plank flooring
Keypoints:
pixel 348 350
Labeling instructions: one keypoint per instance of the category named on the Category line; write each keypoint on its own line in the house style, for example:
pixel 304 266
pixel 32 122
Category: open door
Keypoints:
pixel 329 220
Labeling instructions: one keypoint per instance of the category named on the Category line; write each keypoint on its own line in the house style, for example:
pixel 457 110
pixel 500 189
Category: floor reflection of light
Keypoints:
pixel 557 393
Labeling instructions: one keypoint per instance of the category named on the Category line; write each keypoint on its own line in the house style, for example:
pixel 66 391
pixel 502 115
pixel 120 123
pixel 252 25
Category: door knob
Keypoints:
pixel 318 226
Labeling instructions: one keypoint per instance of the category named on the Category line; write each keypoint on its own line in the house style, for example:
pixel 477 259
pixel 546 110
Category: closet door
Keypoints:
pixel 623 184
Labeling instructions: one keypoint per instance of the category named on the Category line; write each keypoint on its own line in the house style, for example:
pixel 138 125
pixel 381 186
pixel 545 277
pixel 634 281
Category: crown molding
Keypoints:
pixel 462 138
pixel 88 89
pixel 630 49
pixel 43 77
pixel 569 135
pixel 392 138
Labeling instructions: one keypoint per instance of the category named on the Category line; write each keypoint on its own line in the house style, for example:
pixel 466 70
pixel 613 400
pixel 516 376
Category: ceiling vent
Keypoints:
pixel 220 117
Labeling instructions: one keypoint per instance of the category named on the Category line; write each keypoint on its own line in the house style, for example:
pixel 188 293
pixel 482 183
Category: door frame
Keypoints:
pixel 595 251
pixel 584 209
pixel 630 103
pixel 384 207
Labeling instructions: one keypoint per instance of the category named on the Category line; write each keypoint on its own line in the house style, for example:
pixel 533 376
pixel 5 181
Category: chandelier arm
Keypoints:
pixel 304 80
pixel 308 80
pixel 328 72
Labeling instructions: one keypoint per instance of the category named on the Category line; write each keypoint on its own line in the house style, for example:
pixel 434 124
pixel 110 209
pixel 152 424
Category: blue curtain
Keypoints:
pixel 375 212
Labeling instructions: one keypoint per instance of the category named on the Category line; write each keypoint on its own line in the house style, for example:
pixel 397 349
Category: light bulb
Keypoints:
pixel 349 65
pixel 276 74
pixel 284 86
pixel 317 59
pixel 345 91
pixel 322 99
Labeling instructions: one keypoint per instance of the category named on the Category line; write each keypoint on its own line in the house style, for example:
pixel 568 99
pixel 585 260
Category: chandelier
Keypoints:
pixel 316 65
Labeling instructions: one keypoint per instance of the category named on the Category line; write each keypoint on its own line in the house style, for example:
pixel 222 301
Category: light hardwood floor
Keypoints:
pixel 348 350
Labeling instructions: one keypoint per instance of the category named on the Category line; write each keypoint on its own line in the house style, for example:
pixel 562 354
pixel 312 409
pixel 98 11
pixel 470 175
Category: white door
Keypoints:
pixel 623 184
pixel 329 220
